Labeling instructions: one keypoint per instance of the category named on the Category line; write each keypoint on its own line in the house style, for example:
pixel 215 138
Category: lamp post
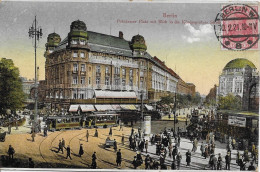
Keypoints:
pixel 142 110
pixel 174 110
pixel 35 33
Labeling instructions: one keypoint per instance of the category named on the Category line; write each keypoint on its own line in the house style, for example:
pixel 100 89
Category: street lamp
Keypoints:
pixel 35 33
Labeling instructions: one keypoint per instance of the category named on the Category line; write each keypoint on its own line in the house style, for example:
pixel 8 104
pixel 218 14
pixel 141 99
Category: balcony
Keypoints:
pixel 83 72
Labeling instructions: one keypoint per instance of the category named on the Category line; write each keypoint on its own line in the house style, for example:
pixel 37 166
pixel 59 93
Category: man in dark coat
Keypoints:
pixel 251 167
pixel 60 147
pixel 173 165
pixel 115 145
pixel 118 158
pixel 63 142
pixel 96 133
pixel 219 162
pixel 214 162
pixel 81 151
pixel 94 163
pixel 228 159
pixel 11 152
pixel 87 135
pixel 142 145
pixel 110 131
pixel 45 130
pixel 147 162
pixel 135 162
pixel 174 152
pixel 188 157
pixel 68 152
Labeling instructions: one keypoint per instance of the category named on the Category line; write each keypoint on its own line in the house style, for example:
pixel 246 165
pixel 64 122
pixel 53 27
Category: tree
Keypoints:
pixel 230 102
pixel 11 92
pixel 211 97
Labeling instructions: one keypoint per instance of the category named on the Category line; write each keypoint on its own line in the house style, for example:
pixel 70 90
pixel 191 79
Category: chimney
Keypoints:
pixel 121 35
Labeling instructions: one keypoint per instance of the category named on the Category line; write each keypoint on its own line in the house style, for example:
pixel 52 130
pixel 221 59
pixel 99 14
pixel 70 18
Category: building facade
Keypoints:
pixel 240 78
pixel 89 67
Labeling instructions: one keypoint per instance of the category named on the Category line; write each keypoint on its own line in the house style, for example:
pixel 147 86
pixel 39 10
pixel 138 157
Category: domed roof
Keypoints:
pixel 53 35
pixel 53 39
pixel 78 25
pixel 138 42
pixel 239 63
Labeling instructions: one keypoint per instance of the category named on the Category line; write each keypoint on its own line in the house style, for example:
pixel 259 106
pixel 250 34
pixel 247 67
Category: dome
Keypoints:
pixel 78 25
pixel 239 63
pixel 138 42
pixel 53 39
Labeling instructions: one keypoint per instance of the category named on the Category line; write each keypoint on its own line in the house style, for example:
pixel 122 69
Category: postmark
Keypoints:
pixel 237 27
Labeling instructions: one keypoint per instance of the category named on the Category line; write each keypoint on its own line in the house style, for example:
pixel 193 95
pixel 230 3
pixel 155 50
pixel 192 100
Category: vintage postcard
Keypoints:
pixel 129 85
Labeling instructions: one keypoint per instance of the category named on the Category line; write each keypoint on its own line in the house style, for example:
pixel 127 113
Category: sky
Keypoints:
pixel 189 47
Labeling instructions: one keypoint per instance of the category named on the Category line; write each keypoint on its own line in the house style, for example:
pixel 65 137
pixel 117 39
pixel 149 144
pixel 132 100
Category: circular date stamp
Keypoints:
pixel 236 27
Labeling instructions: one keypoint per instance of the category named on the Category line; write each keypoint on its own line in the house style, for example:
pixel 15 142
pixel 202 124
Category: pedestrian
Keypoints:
pixel 242 164
pixel 94 163
pixel 81 151
pixel 63 143
pixel 96 133
pixel 246 156
pixel 123 139
pixel 238 157
pixel 16 124
pixel 9 128
pixel 251 167
pixel 147 162
pixel 118 158
pixel 170 150
pixel 68 152
pixel 202 149
pixel 121 127
pixel 206 153
pixel 214 162
pixel 228 159
pixel 115 145
pixel 45 130
pixel 178 158
pixel 60 147
pixel 141 145
pixel 11 152
pixel 219 167
pixel 33 136
pixel 132 131
pixel 135 162
pixel 87 135
pixel 110 131
pixel 30 163
pixel 188 157
pixel 146 145
pixel 139 159
pixel 233 143
pixel 179 140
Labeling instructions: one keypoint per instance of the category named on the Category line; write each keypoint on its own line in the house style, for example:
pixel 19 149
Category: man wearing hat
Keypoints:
pixel 81 151
pixel 147 162
pixel 135 162
pixel 118 158
pixel 228 159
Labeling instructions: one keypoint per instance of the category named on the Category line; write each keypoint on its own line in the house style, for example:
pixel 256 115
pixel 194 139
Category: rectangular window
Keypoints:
pixel 74 42
pixel 107 81
pixel 98 69
pixel 75 96
pixel 82 42
pixel 123 82
pixel 81 96
pixel 107 69
pixel 75 67
pixel 131 72
pixel 82 55
pixel 117 82
pixel 82 80
pixel 75 54
pixel 123 71
pixel 97 81
pixel 117 70
pixel 75 80
pixel 83 67
pixel 89 80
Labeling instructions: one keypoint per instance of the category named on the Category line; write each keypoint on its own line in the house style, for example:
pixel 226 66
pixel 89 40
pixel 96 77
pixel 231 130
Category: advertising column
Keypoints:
pixel 147 126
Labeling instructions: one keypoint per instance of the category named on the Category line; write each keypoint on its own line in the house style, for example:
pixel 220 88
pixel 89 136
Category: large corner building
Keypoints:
pixel 90 68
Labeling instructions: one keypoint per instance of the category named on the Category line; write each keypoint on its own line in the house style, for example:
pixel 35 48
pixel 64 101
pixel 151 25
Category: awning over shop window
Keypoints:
pixel 115 94
pixel 116 107
pixel 87 108
pixel 148 107
pixel 128 107
pixel 73 108
pixel 103 107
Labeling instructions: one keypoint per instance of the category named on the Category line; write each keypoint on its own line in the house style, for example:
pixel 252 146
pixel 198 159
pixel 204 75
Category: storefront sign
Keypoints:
pixel 147 125
pixel 237 121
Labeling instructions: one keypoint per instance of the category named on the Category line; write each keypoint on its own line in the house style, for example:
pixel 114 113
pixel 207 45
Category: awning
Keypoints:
pixel 148 107
pixel 106 114
pixel 103 107
pixel 87 108
pixel 116 107
pixel 115 94
pixel 73 108
pixel 128 107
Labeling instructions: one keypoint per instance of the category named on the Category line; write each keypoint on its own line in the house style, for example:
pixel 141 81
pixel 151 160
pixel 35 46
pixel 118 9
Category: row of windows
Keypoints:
pixel 107 81
pixel 81 54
